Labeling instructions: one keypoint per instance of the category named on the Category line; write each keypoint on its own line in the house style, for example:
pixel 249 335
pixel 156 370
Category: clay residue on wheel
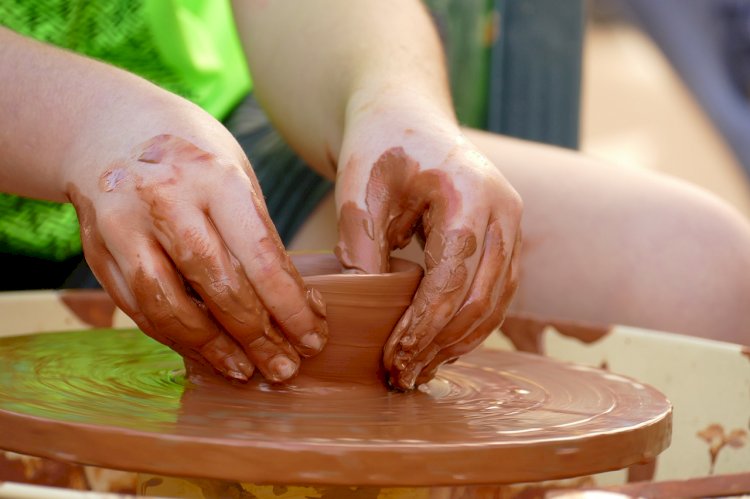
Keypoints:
pixel 718 439
pixel 526 332
pixel 711 486
pixel 94 307
pixel 41 471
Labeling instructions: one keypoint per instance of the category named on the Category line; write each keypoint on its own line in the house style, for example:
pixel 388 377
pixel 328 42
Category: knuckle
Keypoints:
pixel 265 263
pixel 289 318
pixel 215 348
pixel 109 220
pixel 515 204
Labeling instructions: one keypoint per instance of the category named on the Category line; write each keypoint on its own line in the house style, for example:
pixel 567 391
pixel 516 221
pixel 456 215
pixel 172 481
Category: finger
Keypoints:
pixel 483 295
pixel 451 265
pixel 106 271
pixel 375 212
pixel 477 335
pixel 241 221
pixel 170 312
pixel 202 259
pixel 104 268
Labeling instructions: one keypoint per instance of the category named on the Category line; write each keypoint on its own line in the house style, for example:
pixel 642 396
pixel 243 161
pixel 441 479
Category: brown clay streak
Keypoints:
pixel 398 193
pixel 113 177
pixel 399 198
pixel 716 438
pixel 168 148
pixel 444 280
pixel 496 287
pixel 202 257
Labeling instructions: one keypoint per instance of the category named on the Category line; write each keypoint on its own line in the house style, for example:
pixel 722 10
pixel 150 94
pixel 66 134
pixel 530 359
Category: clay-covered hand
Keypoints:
pixel 399 177
pixel 176 230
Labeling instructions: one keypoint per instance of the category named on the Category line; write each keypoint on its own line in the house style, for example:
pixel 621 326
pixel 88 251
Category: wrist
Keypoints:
pixel 425 128
pixel 131 120
pixel 399 104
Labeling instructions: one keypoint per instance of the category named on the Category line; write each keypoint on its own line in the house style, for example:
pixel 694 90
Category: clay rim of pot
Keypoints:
pixel 324 272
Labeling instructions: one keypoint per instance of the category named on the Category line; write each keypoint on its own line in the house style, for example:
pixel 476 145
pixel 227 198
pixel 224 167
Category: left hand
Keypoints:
pixel 403 173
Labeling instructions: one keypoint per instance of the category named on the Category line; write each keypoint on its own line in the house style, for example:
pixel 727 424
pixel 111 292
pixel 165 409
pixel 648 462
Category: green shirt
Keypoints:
pixel 189 47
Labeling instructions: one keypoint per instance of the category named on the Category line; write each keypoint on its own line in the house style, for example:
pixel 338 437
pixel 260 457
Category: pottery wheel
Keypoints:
pixel 119 400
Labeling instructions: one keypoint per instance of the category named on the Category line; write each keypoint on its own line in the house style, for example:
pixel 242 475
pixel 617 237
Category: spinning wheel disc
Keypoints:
pixel 115 398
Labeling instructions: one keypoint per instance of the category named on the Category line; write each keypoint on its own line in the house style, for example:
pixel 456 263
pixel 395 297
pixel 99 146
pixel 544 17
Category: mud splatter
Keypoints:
pixel 717 439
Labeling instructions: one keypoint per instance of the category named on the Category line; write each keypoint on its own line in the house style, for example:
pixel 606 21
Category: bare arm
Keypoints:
pixel 359 89
pixel 50 100
pixel 314 63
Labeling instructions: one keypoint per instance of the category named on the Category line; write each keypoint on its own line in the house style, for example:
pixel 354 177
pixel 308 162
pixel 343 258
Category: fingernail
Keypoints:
pixel 313 343
pixel 236 375
pixel 247 369
pixel 233 369
pixel 315 299
pixel 282 368
pixel 408 378
pixel 401 360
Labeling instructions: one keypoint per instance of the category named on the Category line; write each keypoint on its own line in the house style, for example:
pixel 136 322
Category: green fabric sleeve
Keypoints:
pixel 198 40
pixel 40 229
pixel 189 47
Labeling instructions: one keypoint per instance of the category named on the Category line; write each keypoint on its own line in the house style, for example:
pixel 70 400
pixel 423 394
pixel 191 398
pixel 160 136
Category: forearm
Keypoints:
pixel 55 107
pixel 315 64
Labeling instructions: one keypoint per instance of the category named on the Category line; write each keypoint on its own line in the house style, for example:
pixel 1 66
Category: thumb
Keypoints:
pixel 362 246
pixel 375 212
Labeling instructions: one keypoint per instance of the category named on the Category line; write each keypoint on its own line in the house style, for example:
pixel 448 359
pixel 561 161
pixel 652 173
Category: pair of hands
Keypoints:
pixel 176 230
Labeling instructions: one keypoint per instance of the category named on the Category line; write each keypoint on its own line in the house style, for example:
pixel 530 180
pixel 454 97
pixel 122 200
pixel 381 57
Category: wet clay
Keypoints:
pixel 402 200
pixel 115 398
pixel 398 194
pixel 208 278
pixel 526 332
pixel 361 311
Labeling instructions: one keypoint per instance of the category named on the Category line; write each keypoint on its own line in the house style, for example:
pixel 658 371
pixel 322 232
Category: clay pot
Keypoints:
pixel 362 310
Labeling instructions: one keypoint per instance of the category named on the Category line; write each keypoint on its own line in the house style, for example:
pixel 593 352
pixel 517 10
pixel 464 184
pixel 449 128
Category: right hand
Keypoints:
pixel 180 237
